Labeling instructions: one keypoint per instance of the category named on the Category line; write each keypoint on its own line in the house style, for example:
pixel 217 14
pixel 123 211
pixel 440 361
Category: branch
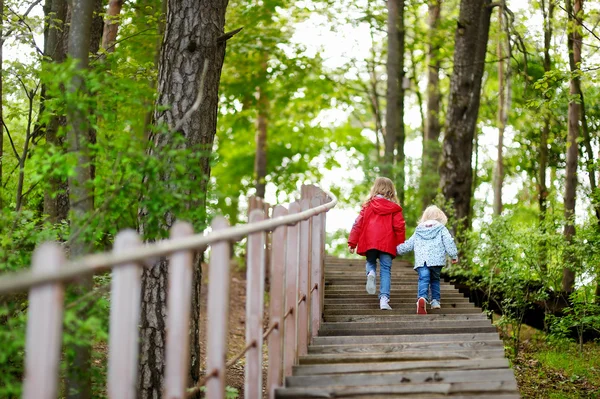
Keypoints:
pixel 228 35
pixel 10 31
pixel 198 101
pixel 11 141
pixel 580 21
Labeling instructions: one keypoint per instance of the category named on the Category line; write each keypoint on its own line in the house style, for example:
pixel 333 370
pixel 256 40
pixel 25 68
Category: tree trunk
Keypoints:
pixel 400 133
pixel 543 149
pixel 502 115
pixel 456 172
pixel 192 36
pixel 260 159
pixel 574 47
pixel 80 196
pixel 431 145
pixel 111 25
pixel 393 88
pixel 56 198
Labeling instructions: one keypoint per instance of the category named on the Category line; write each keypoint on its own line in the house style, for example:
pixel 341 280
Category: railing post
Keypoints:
pixel 316 268
pixel 303 282
pixel 323 217
pixel 255 280
pixel 276 307
pixel 44 327
pixel 217 313
pixel 290 351
pixel 125 298
pixel 178 316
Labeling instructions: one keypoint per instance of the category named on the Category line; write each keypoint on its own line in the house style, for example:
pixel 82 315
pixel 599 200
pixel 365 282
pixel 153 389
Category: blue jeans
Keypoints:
pixel 385 267
pixel 429 276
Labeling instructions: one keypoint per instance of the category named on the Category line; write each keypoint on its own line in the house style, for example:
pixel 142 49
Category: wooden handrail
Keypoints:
pixel 97 263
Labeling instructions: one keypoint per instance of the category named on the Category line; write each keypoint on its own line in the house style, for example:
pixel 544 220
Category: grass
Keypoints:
pixel 546 369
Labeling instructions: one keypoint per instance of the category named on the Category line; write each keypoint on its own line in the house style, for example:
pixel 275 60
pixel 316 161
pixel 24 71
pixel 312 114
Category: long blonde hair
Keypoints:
pixel 432 212
pixel 384 187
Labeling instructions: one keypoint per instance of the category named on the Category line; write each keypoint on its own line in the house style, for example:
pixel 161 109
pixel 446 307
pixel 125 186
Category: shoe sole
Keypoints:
pixel 421 306
pixel 384 308
pixel 371 285
pixel 436 307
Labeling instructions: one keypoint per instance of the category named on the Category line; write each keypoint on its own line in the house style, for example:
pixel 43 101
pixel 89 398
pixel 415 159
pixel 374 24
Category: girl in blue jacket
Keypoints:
pixel 431 242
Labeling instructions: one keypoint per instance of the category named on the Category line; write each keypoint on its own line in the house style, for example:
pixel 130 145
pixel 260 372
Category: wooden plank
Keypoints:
pixel 403 305
pixel 255 288
pixel 217 313
pixel 415 377
pixel 125 298
pixel 44 327
pixel 397 286
pixel 410 330
pixel 436 365
pixel 303 281
pixel 290 344
pixel 412 346
pixel 424 323
pixel 316 273
pixel 276 305
pixel 397 296
pixel 391 339
pixel 495 387
pixel 376 312
pixel 407 356
pixel 383 317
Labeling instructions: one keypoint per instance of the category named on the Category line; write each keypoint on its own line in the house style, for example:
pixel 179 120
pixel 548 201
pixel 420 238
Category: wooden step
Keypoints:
pixel 496 389
pixel 410 346
pixel 377 312
pixel 392 339
pixel 384 317
pixel 395 299
pixel 399 287
pixel 412 295
pixel 491 353
pixel 390 367
pixel 424 323
pixel 466 328
pixel 394 305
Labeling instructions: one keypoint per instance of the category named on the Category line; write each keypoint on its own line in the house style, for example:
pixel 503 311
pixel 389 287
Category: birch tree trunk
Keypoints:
pixel 543 150
pixel 193 35
pixel 502 117
pixel 260 159
pixel 574 47
pixel 456 171
pixel 431 135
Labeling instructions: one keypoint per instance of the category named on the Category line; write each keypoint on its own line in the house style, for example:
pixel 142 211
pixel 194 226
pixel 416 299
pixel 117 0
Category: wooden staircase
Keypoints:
pixel 362 351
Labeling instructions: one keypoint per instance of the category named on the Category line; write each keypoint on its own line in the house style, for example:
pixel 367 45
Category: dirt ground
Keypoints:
pixel 236 326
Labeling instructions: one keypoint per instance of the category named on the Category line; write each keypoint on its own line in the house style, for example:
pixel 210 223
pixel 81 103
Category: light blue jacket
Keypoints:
pixel 431 242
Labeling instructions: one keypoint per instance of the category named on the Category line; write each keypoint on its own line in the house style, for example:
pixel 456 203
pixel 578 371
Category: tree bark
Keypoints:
pixel 56 197
pixel 393 88
pixel 111 25
pixel 1 96
pixel 400 133
pixel 502 115
pixel 431 145
pixel 80 195
pixel 456 172
pixel 574 116
pixel 543 150
pixel 192 36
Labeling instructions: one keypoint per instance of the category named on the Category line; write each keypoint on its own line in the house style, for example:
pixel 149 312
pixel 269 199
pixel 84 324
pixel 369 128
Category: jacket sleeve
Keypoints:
pixel 449 244
pixel 356 230
pixel 407 246
pixel 399 226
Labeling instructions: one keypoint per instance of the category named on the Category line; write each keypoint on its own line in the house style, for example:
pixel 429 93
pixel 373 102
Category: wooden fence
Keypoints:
pixel 295 309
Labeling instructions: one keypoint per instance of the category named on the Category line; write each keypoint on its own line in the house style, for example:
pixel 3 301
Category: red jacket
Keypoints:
pixel 380 225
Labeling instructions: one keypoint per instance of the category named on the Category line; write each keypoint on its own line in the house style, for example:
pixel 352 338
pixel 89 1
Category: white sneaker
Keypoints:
pixel 384 303
pixel 371 283
pixel 435 304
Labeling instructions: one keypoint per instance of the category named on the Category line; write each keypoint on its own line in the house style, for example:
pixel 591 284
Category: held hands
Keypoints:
pixel 454 261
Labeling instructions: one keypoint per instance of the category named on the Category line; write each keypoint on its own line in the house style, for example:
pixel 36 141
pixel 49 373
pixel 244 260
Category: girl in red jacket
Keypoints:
pixel 376 232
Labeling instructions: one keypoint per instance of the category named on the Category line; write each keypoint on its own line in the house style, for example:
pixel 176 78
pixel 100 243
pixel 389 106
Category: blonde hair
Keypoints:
pixel 384 187
pixel 432 212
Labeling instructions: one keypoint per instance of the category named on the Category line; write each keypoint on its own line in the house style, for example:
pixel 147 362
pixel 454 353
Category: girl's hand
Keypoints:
pixel 350 249
pixel 454 261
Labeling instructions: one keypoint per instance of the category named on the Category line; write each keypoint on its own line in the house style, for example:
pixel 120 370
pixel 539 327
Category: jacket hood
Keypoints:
pixel 383 206
pixel 429 229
